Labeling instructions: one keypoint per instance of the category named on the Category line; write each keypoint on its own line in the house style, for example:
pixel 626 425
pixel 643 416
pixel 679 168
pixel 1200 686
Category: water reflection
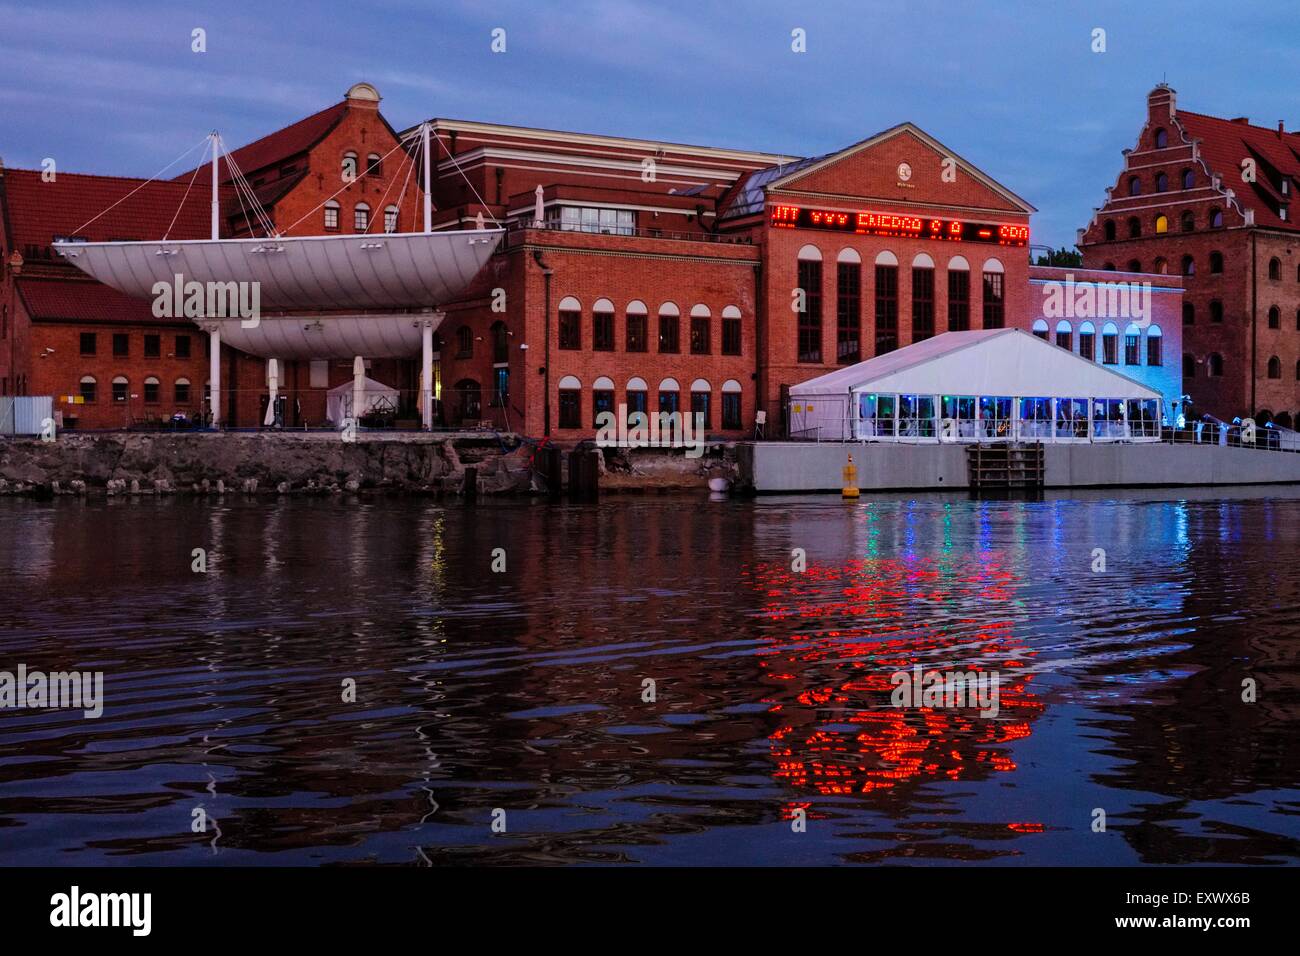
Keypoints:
pixel 526 691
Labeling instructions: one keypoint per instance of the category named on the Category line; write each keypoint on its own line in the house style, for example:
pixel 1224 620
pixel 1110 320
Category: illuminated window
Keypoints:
pixel 993 295
pixel 602 326
pixel 958 294
pixel 1155 339
pixel 848 308
pixel 701 318
pixel 886 303
pixel 637 324
pixel 1162 224
pixel 809 331
pixel 669 329
pixel 922 298
pixel 570 331
pixel 331 216
pixel 361 217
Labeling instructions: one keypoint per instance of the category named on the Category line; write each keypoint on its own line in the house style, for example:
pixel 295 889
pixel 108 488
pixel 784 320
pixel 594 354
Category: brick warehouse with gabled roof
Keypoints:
pixel 1212 199
pixel 659 275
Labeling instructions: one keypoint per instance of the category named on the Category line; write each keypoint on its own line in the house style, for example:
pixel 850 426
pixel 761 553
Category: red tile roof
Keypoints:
pixel 37 211
pixel 81 300
pixel 1224 144
pixel 276 147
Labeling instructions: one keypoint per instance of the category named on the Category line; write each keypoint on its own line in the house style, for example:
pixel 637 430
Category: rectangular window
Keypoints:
pixel 636 402
pixel 958 300
pixel 1131 345
pixel 1154 355
pixel 602 331
pixel 119 391
pixel 731 410
pixel 993 305
pixel 361 219
pixel 700 406
pixel 668 332
pixel 886 309
pixel 601 401
pixel 848 312
pixel 88 391
pixel 636 332
pixel 570 408
pixel 1064 339
pixel 700 344
pixel 731 336
pixel 570 330
pixel 922 304
pixel 152 346
pixel 501 387
pixel 182 393
pixel 1110 348
pixel 390 219
pixel 1088 346
pixel 182 346
pixel 810 319
pixel 668 402
pixel 88 343
pixel 332 217
pixel 121 344
pixel 150 392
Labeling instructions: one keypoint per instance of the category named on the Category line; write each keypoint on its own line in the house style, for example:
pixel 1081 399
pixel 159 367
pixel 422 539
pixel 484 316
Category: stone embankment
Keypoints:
pixel 299 463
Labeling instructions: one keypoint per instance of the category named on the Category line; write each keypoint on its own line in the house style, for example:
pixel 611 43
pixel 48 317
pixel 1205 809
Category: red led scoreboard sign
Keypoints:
pixel 894 224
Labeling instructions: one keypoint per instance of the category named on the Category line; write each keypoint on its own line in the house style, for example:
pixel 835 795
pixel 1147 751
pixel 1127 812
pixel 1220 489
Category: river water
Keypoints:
pixel 655 680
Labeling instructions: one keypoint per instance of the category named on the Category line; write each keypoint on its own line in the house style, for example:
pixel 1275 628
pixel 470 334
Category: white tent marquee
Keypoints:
pixel 338 402
pixel 986 385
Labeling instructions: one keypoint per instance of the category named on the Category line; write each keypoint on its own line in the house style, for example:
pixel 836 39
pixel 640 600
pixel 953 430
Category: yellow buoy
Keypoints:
pixel 850 474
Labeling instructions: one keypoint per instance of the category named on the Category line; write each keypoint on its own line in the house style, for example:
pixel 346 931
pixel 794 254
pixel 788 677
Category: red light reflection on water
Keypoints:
pixel 849 629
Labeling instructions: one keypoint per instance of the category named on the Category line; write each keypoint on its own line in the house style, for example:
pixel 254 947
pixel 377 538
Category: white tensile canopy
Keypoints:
pixel 989 384
pixel 339 400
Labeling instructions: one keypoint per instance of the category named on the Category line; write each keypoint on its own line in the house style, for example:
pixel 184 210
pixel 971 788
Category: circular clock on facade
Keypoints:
pixel 904 172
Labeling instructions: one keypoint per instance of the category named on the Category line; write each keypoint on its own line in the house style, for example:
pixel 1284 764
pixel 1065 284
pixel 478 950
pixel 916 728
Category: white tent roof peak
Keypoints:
pixel 980 362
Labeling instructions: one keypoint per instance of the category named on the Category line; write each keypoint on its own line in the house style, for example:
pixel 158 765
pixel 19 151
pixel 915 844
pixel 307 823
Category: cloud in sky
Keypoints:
pixel 1013 86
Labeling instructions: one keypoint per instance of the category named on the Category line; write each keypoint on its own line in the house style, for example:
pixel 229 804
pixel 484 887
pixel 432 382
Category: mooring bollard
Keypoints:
pixel 850 483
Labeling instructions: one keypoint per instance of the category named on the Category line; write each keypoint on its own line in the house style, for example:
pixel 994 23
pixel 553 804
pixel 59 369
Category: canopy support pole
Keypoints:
pixel 428 181
pixel 426 374
pixel 216 202
pixel 214 372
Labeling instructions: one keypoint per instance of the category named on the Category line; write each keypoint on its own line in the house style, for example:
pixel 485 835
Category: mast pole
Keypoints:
pixel 216 203
pixel 428 181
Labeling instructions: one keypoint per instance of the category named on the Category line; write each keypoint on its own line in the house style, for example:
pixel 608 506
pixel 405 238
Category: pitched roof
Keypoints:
pixel 745 198
pixel 37 211
pixel 77 300
pixel 1225 143
pixel 276 147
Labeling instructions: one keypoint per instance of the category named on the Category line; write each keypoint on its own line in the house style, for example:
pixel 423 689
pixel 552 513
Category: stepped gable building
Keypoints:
pixel 636 272
pixel 1211 200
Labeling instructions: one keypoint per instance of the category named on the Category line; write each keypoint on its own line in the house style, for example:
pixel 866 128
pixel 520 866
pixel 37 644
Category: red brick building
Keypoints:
pixel 1210 199
pixel 659 275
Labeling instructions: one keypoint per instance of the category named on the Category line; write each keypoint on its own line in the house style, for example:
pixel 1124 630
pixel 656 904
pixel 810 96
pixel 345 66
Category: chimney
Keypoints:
pixel 1281 128
pixel 1162 103
pixel 1244 120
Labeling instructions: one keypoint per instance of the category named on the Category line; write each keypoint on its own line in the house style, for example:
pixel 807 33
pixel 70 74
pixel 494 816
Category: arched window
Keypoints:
pixel 570 323
pixel 1110 344
pixel 1109 267
pixel 637 327
pixel 1214 365
pixel 958 294
pixel 1216 310
pixel 994 291
pixel 669 328
pixel 922 297
pixel 1189 178
pixel 1297 370
pixel 669 397
pixel 1161 266
pixel 1189 314
pixel 1040 329
pixel 1189 266
pixel 1155 343
pixel 731 330
pixel 1297 320
pixel 701 323
pixel 120 386
pixel 348 169
pixel 374 165
pixel 1132 345
pixel 731 404
pixel 1108 229
pixel 602 399
pixel 1189 365
pixel 151 390
pixel 1087 341
pixel 886 302
pixel 1275 268
pixel 1274 367
pixel 331 215
pixel 701 404
pixel 1187 222
pixel 1216 262
pixel 808 334
pixel 636 395
pixel 1135 265
pixel 1216 218
pixel 1134 227
pixel 88 389
pixel 181 391
pixel 1134 186
pixel 361 217
pixel 1162 223
pixel 500 343
pixel 464 342
pixel 602 326
pixel 390 219
pixel 1161 139
pixel 570 402
pixel 1274 317
pixel 1162 183
pixel 1065 335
